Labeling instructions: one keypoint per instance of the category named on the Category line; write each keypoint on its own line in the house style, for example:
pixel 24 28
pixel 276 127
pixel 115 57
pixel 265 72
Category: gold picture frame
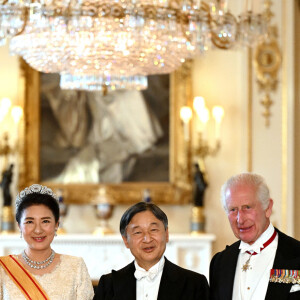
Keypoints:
pixel 176 191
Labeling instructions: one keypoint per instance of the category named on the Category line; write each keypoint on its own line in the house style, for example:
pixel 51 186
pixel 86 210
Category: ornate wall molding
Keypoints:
pixel 267 62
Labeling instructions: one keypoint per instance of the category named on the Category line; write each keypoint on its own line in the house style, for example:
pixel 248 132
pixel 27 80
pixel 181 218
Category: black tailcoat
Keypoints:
pixel 223 266
pixel 176 284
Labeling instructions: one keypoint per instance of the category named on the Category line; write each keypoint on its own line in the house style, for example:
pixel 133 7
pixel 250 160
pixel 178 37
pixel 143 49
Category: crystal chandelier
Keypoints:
pixel 99 44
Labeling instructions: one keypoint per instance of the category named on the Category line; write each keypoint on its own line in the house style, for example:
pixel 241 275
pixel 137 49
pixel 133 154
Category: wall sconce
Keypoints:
pixel 197 132
pixel 202 147
pixel 200 132
pixel 10 117
pixel 186 116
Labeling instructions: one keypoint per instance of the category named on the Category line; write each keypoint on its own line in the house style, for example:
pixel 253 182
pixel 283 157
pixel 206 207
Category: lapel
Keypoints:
pixel 227 272
pixel 284 259
pixel 168 287
pixel 124 283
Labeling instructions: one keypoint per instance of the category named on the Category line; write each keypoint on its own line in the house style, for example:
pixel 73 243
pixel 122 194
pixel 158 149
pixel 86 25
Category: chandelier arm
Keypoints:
pixel 216 149
pixel 26 13
pixel 67 16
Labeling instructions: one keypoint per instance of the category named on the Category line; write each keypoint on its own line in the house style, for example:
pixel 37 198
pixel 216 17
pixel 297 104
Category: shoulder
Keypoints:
pixel 229 250
pixel 105 288
pixel 119 273
pixel 288 239
pixel 2 258
pixel 130 268
pixel 188 274
pixel 71 258
pixel 228 253
pixel 74 261
pixel 289 244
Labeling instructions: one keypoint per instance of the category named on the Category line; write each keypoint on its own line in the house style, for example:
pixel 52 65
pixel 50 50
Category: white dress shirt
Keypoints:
pixel 252 284
pixel 147 287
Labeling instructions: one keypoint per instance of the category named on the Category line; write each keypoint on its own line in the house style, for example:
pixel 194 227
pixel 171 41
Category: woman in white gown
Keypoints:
pixel 38 272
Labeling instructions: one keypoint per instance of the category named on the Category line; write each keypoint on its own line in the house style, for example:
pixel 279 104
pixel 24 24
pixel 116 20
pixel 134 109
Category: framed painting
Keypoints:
pixel 127 142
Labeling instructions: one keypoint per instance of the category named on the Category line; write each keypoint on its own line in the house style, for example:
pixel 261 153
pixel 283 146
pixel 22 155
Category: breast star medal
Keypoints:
pixel 246 265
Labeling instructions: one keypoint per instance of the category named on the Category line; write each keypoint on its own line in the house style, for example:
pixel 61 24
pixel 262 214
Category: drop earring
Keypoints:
pixel 20 234
pixel 55 234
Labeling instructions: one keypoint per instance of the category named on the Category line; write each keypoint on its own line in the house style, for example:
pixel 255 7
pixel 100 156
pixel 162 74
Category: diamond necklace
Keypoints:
pixel 38 264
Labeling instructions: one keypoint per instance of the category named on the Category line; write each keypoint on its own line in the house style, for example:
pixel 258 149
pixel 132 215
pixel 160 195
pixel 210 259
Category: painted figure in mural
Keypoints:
pixel 5 185
pixel 144 229
pixel 264 263
pixel 94 138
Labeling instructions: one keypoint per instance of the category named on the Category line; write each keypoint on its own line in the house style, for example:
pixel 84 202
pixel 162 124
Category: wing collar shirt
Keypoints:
pixel 147 284
pixel 252 284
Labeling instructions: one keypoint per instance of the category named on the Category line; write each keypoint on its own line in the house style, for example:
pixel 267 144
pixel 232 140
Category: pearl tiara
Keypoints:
pixel 34 189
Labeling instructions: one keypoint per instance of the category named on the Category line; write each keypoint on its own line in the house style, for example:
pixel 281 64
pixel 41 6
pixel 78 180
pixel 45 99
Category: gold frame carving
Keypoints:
pixel 176 191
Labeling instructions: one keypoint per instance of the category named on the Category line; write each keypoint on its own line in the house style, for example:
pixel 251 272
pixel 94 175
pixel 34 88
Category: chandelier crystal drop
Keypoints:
pixel 102 83
pixel 95 43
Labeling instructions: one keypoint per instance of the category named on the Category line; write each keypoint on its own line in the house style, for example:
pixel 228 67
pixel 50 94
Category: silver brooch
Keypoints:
pixel 34 189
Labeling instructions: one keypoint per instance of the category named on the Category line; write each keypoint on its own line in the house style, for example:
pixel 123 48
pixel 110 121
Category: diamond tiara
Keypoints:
pixel 34 189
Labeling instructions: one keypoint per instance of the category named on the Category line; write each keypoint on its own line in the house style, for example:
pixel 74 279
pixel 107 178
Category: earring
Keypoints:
pixel 20 234
pixel 55 234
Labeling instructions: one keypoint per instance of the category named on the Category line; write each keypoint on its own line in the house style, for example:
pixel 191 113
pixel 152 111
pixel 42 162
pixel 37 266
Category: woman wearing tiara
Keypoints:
pixel 39 273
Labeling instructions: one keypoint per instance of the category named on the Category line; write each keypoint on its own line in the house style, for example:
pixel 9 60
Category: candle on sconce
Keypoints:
pixel 16 113
pixel 204 118
pixel 218 114
pixel 199 106
pixel 202 113
pixel 186 115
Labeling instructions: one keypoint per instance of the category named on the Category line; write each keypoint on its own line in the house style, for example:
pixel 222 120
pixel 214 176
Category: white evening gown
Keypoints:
pixel 68 281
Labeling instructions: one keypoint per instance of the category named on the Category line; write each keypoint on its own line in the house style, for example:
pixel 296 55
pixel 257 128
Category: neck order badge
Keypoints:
pixel 246 266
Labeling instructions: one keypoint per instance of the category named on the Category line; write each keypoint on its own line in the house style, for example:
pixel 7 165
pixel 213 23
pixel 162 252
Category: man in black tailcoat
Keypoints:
pixel 264 263
pixel 144 229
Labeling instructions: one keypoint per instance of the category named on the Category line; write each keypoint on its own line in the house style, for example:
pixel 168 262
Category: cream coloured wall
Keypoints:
pixel 217 77
pixel 9 74
pixel 297 119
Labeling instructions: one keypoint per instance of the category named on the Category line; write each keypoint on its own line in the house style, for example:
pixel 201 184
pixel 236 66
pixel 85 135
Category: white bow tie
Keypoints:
pixel 150 275
pixel 251 248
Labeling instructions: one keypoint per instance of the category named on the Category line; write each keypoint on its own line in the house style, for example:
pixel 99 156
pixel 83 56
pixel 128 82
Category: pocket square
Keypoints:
pixel 295 288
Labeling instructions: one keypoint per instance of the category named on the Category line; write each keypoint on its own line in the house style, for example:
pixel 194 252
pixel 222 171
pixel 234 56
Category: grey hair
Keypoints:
pixel 250 179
